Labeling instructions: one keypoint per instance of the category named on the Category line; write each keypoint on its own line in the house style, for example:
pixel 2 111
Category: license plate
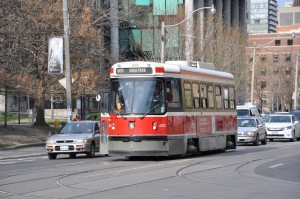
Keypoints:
pixel 275 132
pixel 64 148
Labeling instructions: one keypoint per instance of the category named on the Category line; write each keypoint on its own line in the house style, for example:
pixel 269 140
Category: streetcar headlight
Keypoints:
pixel 154 125
pixel 113 126
pixel 131 125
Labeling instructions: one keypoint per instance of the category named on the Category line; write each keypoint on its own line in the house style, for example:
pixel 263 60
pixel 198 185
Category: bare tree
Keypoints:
pixel 29 26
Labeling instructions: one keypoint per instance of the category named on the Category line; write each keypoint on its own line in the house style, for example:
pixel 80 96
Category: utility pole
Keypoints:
pixel 252 74
pixel 162 50
pixel 67 59
pixel 296 82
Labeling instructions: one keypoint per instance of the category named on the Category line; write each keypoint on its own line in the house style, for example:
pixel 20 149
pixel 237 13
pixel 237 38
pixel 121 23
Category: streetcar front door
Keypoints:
pixel 104 111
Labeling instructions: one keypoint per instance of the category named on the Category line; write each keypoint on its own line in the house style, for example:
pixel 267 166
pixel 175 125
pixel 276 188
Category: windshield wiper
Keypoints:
pixel 149 111
pixel 118 113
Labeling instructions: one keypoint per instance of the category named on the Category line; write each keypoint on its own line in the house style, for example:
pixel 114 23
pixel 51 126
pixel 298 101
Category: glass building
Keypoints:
pixel 263 15
pixel 139 34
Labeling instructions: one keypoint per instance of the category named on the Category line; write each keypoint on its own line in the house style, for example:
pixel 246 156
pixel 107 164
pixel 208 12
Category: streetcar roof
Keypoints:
pixel 164 68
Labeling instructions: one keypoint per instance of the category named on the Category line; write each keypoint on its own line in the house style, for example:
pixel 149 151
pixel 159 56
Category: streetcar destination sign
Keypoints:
pixel 121 71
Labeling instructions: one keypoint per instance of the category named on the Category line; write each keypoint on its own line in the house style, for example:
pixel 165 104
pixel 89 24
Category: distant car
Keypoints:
pixel 247 110
pixel 265 117
pixel 74 138
pixel 251 130
pixel 295 113
pixel 283 126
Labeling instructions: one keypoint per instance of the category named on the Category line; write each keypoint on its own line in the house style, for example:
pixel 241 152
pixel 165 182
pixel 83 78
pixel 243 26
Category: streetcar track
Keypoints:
pixel 61 175
pixel 267 179
pixel 59 178
pixel 36 169
pixel 241 164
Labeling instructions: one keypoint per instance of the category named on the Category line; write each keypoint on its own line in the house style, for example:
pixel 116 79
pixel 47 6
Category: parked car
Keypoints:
pixel 251 130
pixel 247 110
pixel 74 138
pixel 283 126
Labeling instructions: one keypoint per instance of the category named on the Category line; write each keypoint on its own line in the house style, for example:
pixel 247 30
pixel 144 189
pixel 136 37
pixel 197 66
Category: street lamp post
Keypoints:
pixel 67 60
pixel 296 83
pixel 19 108
pixel 163 30
pixel 254 59
pixel 252 72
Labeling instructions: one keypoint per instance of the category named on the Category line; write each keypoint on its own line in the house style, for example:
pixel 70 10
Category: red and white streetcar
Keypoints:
pixel 165 109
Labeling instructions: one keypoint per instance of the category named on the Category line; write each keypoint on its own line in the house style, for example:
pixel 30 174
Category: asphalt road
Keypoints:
pixel 256 172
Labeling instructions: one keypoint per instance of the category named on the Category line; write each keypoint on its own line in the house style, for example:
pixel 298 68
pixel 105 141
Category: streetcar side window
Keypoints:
pixel 173 94
pixel 231 98
pixel 203 95
pixel 211 96
pixel 218 97
pixel 196 95
pixel 188 95
pixel 226 97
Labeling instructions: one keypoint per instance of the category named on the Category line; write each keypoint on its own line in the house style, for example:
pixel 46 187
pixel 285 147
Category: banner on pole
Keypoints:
pixel 55 56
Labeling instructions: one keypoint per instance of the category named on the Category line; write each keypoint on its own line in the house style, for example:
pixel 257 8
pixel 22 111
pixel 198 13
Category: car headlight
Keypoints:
pixel 82 141
pixel 50 142
pixel 251 133
pixel 287 128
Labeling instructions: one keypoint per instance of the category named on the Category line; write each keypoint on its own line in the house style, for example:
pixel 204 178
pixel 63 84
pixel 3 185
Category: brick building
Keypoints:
pixel 274 69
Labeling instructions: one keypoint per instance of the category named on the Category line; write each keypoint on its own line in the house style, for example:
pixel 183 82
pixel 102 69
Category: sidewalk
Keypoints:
pixel 23 151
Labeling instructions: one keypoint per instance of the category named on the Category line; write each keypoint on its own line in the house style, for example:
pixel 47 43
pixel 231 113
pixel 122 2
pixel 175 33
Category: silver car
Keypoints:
pixel 251 130
pixel 74 138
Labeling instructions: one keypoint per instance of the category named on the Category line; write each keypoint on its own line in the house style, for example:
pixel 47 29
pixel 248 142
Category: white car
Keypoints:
pixel 283 126
pixel 74 138
pixel 251 130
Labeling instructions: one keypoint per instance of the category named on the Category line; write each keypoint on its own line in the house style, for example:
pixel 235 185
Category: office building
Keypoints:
pixel 263 16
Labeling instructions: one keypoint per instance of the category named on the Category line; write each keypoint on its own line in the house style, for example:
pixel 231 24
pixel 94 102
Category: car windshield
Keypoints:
pixel 243 112
pixel 279 119
pixel 76 128
pixel 246 123
pixel 132 96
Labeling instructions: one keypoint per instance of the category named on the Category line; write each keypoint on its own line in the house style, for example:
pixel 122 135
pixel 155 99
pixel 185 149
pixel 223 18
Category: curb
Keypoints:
pixel 6 153
pixel 23 156
pixel 24 146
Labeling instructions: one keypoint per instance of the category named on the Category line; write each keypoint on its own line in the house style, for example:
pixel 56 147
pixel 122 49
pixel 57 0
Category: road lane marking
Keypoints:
pixel 276 165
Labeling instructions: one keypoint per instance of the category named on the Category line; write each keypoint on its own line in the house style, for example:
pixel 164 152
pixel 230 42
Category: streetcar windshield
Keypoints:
pixel 138 96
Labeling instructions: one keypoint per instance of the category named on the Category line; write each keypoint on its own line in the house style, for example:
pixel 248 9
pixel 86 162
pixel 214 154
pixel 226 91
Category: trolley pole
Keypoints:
pixel 67 59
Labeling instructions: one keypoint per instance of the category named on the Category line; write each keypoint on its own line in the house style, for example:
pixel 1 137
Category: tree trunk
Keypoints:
pixel 40 106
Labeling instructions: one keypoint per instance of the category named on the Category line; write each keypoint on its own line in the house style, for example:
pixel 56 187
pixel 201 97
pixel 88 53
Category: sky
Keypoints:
pixel 281 2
